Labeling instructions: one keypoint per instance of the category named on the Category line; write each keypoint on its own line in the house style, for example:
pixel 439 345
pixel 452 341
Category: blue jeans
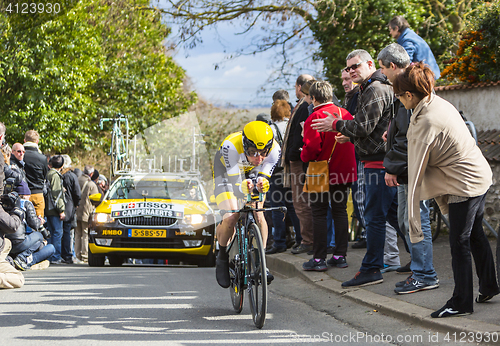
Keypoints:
pixel 280 196
pixel 330 237
pixel 380 206
pixel 421 253
pixel 66 248
pixel 55 226
pixel 31 246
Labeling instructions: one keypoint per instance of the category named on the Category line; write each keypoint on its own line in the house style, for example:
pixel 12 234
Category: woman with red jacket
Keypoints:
pixel 318 146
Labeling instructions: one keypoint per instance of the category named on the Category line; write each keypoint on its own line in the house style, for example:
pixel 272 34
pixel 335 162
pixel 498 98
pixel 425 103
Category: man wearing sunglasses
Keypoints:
pixel 251 152
pixel 365 131
pixel 16 167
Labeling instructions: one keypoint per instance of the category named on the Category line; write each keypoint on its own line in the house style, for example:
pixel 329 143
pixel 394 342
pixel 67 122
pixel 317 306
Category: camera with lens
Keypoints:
pixel 9 185
pixel 10 201
pixel 45 232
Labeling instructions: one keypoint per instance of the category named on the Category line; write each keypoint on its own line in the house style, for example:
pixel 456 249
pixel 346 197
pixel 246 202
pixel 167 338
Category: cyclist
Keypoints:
pixel 252 151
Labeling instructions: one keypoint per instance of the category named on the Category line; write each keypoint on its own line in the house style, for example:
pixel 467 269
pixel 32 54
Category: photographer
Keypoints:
pixel 28 244
pixel 9 276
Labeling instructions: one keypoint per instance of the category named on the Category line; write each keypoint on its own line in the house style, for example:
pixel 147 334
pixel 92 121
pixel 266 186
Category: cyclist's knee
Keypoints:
pixel 231 219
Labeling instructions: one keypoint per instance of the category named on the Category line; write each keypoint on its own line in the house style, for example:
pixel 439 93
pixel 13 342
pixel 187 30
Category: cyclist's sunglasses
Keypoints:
pixel 254 152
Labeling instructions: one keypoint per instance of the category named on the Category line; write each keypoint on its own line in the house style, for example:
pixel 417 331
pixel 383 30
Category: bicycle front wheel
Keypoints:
pixel 257 276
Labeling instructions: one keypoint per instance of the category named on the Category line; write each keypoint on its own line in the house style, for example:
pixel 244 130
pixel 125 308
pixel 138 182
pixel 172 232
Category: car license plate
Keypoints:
pixel 148 233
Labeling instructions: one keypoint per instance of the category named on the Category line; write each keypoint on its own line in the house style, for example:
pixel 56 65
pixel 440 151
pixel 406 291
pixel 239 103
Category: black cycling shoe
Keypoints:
pixel 222 272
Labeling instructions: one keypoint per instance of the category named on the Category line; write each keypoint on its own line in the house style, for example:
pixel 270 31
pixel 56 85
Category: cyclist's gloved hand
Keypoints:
pixel 246 186
pixel 262 185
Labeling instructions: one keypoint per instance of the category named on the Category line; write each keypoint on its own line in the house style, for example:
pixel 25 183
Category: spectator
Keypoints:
pixel 293 166
pixel 457 178
pixel 342 169
pixel 358 187
pixel 10 277
pixel 55 207
pixel 28 244
pixel 72 194
pixel 102 184
pixel 415 46
pixel 16 168
pixel 78 172
pixel 36 169
pixel 278 194
pixel 365 131
pixel 2 158
pixel 264 117
pixel 393 61
pixel 282 95
pixel 85 208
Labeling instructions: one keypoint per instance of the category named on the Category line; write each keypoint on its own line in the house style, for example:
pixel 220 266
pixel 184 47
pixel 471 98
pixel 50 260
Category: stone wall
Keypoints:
pixel 492 207
pixel 480 105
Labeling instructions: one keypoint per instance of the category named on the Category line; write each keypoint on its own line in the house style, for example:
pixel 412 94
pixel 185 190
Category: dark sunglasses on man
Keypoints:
pixel 353 66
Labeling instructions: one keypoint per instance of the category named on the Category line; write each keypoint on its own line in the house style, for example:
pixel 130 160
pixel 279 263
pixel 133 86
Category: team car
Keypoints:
pixel 156 216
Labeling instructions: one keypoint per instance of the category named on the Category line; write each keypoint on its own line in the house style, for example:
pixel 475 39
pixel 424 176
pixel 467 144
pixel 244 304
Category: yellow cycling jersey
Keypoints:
pixel 234 159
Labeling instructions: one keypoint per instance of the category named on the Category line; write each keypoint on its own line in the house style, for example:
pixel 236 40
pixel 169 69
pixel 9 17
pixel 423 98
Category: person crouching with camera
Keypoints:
pixel 10 220
pixel 29 244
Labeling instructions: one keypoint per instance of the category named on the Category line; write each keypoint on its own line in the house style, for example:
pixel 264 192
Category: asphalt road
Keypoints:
pixel 158 305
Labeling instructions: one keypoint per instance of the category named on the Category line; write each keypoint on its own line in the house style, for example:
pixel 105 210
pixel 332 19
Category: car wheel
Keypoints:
pixel 95 260
pixel 209 260
pixel 115 261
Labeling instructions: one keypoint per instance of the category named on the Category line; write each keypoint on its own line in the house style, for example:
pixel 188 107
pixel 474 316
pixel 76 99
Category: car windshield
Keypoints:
pixel 129 188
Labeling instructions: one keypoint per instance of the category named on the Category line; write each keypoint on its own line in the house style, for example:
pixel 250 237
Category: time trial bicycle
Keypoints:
pixel 247 261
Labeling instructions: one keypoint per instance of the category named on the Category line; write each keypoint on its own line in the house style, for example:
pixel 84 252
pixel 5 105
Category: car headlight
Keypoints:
pixel 103 241
pixel 195 219
pixel 103 218
pixel 192 243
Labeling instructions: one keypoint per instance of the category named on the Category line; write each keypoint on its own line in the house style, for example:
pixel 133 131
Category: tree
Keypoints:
pixel 478 53
pixel 60 72
pixel 337 26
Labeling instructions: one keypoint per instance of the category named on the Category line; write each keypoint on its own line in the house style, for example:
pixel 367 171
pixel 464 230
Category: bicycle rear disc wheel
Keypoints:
pixel 236 288
pixel 257 276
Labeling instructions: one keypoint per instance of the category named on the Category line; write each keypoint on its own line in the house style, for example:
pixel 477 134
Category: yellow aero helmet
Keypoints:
pixel 257 135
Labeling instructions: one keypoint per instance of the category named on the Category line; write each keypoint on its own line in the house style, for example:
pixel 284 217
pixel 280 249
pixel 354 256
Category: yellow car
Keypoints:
pixel 153 216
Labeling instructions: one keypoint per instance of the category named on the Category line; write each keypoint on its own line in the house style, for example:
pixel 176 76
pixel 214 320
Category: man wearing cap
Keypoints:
pixel 55 208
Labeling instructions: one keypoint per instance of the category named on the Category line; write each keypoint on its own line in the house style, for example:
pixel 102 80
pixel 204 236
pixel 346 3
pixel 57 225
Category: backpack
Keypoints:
pixel 50 204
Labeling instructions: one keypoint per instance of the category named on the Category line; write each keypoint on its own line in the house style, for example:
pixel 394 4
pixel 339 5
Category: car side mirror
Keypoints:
pixel 96 197
pixel 212 201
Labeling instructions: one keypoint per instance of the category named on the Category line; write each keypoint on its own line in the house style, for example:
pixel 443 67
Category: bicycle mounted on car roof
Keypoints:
pixel 119 144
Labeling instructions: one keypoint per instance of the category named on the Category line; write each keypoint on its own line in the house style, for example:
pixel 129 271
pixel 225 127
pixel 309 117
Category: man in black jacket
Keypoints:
pixel 73 195
pixel 294 170
pixel 393 61
pixel 36 169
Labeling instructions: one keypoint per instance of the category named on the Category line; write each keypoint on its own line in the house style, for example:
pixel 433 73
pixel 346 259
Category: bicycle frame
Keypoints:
pixel 246 218
pixel 246 253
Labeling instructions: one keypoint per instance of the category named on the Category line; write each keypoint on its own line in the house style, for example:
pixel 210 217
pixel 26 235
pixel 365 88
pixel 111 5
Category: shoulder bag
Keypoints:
pixel 318 174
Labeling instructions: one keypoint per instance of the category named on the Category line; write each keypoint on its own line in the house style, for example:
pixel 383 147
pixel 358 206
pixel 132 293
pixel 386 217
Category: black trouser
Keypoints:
pixel 337 197
pixel 466 237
